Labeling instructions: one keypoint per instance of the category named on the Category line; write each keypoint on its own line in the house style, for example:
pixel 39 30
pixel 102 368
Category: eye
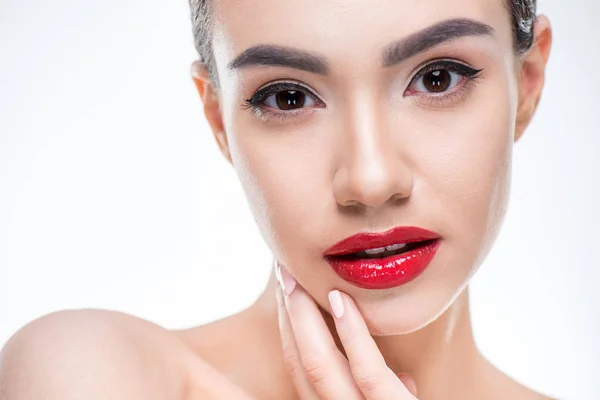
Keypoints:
pixel 288 100
pixel 282 100
pixel 440 77
pixel 437 81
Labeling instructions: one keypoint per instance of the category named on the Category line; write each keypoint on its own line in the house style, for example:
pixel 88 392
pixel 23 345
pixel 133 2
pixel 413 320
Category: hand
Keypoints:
pixel 318 368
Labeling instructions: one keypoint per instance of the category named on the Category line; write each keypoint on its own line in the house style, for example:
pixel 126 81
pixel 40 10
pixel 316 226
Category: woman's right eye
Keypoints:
pixel 281 100
pixel 288 100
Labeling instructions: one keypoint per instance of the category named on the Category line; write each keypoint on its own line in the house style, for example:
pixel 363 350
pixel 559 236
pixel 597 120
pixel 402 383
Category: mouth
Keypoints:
pixel 383 260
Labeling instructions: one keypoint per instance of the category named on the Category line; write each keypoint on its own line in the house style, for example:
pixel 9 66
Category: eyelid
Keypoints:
pixel 256 103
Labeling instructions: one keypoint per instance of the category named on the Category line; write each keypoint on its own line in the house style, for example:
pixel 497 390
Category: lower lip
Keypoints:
pixel 388 272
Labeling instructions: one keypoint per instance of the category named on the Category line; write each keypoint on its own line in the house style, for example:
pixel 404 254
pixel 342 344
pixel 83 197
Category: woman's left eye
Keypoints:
pixel 440 77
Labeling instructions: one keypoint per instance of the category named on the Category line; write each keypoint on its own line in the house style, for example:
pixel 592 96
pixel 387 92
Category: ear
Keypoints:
pixel 212 107
pixel 531 74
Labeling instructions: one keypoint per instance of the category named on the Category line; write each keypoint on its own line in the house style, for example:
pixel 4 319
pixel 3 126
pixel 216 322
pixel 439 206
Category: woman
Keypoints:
pixel 374 142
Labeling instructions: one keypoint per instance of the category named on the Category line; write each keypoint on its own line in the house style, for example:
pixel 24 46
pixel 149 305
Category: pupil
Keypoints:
pixel 437 81
pixel 289 99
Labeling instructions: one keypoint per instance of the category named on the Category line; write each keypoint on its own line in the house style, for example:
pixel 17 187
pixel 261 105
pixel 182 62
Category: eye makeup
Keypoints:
pixel 445 83
pixel 439 83
pixel 296 94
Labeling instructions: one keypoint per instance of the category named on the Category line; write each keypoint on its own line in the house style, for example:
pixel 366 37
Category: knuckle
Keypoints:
pixel 291 362
pixel 315 369
pixel 367 382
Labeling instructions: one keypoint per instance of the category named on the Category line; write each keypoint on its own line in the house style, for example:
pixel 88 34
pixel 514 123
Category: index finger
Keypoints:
pixel 372 375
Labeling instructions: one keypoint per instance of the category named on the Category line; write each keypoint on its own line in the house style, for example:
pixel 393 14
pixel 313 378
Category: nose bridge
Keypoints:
pixel 371 169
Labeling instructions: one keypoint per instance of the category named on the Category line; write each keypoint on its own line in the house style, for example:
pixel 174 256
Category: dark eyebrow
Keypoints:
pixel 430 37
pixel 267 54
pixel 276 55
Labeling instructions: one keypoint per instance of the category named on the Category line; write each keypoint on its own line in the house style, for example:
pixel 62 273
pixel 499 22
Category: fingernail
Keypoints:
pixel 337 304
pixel 286 280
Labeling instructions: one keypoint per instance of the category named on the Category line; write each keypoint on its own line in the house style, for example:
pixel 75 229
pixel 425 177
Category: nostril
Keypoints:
pixel 351 203
pixel 399 197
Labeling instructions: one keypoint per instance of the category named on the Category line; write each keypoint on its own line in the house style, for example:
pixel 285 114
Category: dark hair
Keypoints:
pixel 522 17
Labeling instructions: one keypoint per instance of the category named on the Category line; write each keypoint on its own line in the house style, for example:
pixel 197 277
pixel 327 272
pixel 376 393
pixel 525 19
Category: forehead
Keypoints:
pixel 342 30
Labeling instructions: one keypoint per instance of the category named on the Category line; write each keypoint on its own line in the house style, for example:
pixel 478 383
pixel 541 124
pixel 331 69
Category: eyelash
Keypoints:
pixel 255 105
pixel 266 113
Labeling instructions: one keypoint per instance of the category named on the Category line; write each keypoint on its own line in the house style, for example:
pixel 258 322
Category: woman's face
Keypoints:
pixel 362 146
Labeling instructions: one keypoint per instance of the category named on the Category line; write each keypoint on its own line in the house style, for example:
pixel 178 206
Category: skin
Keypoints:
pixel 377 152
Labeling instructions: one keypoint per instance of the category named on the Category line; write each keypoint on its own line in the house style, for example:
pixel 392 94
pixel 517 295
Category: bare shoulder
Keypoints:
pixel 92 354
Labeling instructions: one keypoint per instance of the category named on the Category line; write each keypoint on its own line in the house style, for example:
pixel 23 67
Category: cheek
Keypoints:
pixel 286 180
pixel 469 176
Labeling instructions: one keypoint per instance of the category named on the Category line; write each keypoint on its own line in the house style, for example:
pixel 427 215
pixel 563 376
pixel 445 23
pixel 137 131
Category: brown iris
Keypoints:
pixel 437 81
pixel 290 99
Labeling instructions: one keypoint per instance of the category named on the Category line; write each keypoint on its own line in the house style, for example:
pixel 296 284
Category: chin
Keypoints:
pixel 407 314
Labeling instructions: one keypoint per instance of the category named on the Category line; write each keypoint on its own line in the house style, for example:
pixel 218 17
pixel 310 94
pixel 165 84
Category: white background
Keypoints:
pixel 113 193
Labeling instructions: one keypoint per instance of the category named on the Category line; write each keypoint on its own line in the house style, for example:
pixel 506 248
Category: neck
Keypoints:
pixel 442 357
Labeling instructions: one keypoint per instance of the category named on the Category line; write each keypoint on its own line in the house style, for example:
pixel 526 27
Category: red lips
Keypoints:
pixel 386 271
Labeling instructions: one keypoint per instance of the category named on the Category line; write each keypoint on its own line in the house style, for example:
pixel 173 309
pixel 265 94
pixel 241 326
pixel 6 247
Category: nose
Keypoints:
pixel 371 170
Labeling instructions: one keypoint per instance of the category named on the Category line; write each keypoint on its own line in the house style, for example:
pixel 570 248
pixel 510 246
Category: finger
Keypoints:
pixel 290 352
pixel 371 374
pixel 324 365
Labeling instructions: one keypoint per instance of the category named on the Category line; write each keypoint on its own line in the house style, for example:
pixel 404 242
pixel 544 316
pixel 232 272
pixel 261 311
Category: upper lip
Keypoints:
pixel 370 240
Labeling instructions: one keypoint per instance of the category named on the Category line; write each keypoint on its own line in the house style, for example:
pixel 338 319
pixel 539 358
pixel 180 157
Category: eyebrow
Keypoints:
pixel 395 53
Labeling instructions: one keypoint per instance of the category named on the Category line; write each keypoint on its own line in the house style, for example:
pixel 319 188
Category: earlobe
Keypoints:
pixel 524 116
pixel 212 106
pixel 221 138
pixel 532 68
